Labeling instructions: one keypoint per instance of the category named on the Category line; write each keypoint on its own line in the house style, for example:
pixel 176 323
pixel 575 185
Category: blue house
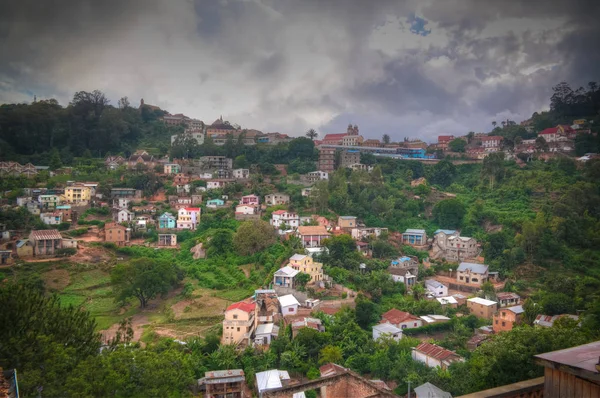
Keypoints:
pixel 414 237
pixel 215 203
pixel 167 221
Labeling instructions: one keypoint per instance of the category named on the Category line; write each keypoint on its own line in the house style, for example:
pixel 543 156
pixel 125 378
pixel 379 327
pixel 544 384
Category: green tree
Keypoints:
pixel 253 236
pixel 143 278
pixel 42 339
pixel 443 174
pixel 449 213
pixel 493 167
pixel 312 134
pixel 55 161
pixel 457 145
pixel 385 139
pixel 220 242
pixel 330 354
pixel 301 280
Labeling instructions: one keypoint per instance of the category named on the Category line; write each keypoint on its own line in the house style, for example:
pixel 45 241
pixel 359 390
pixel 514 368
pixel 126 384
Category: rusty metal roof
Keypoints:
pixel 583 357
pixel 45 234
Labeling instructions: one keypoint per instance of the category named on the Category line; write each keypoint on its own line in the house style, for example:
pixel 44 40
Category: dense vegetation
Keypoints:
pixel 538 225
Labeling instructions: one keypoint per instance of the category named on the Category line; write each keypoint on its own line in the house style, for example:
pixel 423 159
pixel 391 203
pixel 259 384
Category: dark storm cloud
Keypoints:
pixel 431 67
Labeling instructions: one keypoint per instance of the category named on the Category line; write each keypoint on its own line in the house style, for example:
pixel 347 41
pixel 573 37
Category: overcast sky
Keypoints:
pixel 404 68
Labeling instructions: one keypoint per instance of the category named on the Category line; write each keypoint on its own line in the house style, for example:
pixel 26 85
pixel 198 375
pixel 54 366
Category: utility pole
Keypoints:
pixel 408 388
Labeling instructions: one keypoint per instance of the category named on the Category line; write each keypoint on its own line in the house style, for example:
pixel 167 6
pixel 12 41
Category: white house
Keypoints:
pixel 242 174
pixel 284 217
pixel 285 276
pixel 435 288
pixel 306 191
pixel 277 199
pixel 435 356
pixel 246 209
pixel 188 218
pixel 54 218
pixel 318 175
pixel 289 305
pixel 216 184
pixel 386 330
pixel 121 203
pixel 265 333
pixel 123 215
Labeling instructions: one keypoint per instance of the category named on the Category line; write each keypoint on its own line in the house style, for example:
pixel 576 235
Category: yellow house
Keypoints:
pixel 303 263
pixel 238 324
pixel 78 193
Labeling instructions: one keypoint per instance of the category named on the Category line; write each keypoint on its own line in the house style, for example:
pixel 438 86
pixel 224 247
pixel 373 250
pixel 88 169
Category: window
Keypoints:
pixel 235 316
pixel 503 323
pixel 496 321
pixel 238 329
pixel 291 309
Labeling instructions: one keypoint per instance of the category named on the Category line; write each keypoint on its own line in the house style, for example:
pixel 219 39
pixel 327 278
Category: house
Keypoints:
pixel 476 153
pixel 167 240
pixel 414 237
pixel 506 318
pixel 167 221
pixel 289 305
pixel 171 168
pixel 113 162
pixel 6 257
pixel 386 330
pixel 401 319
pixel 123 215
pixel 428 390
pixel 121 203
pixel 188 218
pixel 550 134
pixel 372 143
pixel 48 201
pixel 24 248
pixel 326 159
pixel 247 212
pixel 284 217
pixel 349 157
pixel 435 288
pixel 311 323
pixel 476 341
pixel 125 193
pixel 270 380
pixel 285 277
pixel 238 324
pixel 78 193
pixel 475 274
pixel 450 245
pixel 214 203
pixel 45 242
pixel 23 200
pixel 250 200
pixel 482 308
pixel 346 222
pixel 435 356
pixel 33 208
pixel 306 191
pixel 225 383
pixel 403 276
pixel 547 321
pixel 53 218
pixel 318 175
pixel 572 372
pixel 241 174
pixel 491 143
pixel 312 236
pixel 116 233
pixel 361 233
pixel 507 299
pixel 410 263
pixel 141 158
pixel 447 301
pixel 444 141
pixel 305 264
pixel 265 333
pixel 277 199
pixel 363 248
pixel 216 184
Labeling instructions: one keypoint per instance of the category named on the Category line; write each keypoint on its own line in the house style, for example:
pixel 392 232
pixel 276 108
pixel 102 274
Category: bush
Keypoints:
pixel 63 226
pixel 66 252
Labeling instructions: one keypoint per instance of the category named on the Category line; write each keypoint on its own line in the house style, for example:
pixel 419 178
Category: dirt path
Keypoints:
pixel 138 321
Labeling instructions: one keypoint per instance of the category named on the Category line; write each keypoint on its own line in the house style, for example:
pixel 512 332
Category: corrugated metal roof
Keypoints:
pixel 287 271
pixel 476 268
pixel 482 301
pixel 270 379
pixel 437 352
pixel 48 234
pixel 414 231
pixel 288 300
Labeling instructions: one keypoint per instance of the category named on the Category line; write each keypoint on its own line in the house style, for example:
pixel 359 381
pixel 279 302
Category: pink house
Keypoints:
pixel 250 200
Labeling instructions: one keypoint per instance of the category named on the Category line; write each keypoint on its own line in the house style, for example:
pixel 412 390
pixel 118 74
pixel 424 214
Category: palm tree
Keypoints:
pixel 494 123
pixel 386 139
pixel 312 134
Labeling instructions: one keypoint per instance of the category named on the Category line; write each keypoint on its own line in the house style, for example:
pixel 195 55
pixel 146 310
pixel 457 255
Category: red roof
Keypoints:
pixel 550 130
pixel 278 212
pixel 330 369
pixel 242 305
pixel 192 208
pixel 395 316
pixel 437 352
pixel 445 138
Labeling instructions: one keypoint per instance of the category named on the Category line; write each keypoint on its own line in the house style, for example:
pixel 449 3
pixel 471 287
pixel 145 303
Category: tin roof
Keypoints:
pixel 583 357
pixel 475 268
pixel 437 352
pixel 47 234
